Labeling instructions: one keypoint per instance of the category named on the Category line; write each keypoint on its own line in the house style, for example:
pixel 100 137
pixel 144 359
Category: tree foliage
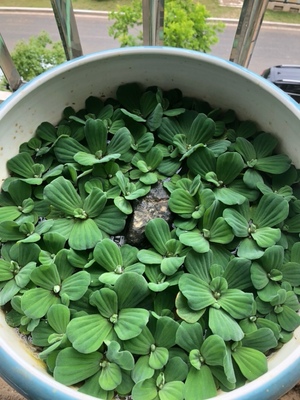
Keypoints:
pixel 37 55
pixel 186 25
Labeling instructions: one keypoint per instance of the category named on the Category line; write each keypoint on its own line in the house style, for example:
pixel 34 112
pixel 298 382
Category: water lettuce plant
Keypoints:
pixel 201 299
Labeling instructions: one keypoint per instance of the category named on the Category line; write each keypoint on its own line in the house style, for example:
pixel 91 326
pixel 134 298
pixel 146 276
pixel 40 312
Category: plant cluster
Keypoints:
pixel 200 306
pixel 186 25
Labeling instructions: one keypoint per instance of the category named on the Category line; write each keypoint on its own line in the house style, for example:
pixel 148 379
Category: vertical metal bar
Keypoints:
pixel 66 23
pixel 153 22
pixel 248 28
pixel 8 67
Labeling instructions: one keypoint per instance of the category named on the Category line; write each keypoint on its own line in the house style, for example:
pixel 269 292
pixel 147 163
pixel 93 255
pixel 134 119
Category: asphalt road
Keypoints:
pixel 275 45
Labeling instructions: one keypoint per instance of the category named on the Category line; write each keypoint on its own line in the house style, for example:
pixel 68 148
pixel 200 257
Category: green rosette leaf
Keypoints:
pixel 107 253
pixel 159 357
pixel 111 220
pixel 73 367
pixel 189 336
pixel 288 319
pixel 95 202
pixel 62 195
pixel 291 225
pixel 276 164
pixel 237 221
pixel 168 129
pixel 170 265
pixel 106 301
pixel 23 276
pixel 259 276
pixel 203 379
pixel 95 132
pixel 252 363
pixel 172 391
pixel 142 370
pixel 76 285
pixel 22 165
pixel 8 291
pixel 36 302
pixel 149 257
pixel 229 166
pixel 66 148
pixel 110 376
pixel 221 232
pixel 158 233
pixel 237 303
pixel 165 332
pixel 228 196
pixel 120 142
pixel 9 213
pixel 185 312
pixel 271 210
pixel 224 325
pixel 213 350
pixel 264 144
pixel 195 240
pixel 266 237
pixel 58 317
pixel 201 130
pixel 202 161
pixel 196 291
pixel 248 248
pixel 182 203
pixel 84 235
pixel 262 339
pixel 131 289
pixel 155 118
pixel 140 344
pixel 130 322
pixel 88 332
pixel 245 148
pixel 145 390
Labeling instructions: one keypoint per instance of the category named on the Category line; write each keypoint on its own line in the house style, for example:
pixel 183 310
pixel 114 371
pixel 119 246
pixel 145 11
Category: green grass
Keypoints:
pixel 215 10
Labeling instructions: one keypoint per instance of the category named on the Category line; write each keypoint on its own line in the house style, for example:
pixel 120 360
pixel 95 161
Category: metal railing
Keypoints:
pixel 248 28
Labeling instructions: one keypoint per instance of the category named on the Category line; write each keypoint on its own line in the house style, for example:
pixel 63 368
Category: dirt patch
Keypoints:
pixel 7 393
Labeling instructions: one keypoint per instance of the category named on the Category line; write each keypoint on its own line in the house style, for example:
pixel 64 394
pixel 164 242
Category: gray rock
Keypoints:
pixel 153 205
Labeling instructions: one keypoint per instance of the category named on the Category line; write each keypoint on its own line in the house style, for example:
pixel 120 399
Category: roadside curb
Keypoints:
pixel 28 10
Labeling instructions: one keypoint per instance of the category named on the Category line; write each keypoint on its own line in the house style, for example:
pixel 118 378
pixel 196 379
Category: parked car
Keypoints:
pixel 286 77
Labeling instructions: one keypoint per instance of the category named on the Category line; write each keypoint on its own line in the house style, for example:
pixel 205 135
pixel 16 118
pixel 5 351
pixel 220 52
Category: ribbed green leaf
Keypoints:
pixel 84 235
pixel 245 148
pixel 131 289
pixel 237 303
pixel 158 233
pixel 96 135
pixel 189 336
pixel 145 390
pixel 58 317
pixel 107 253
pixel 130 322
pixel 197 379
pixel 224 325
pixel 62 195
pixel 87 333
pixel 158 358
pixel 229 166
pixel 251 362
pixel 110 376
pixel 266 237
pixel 197 292
pixel 201 130
pixel 73 367
pixel 276 164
